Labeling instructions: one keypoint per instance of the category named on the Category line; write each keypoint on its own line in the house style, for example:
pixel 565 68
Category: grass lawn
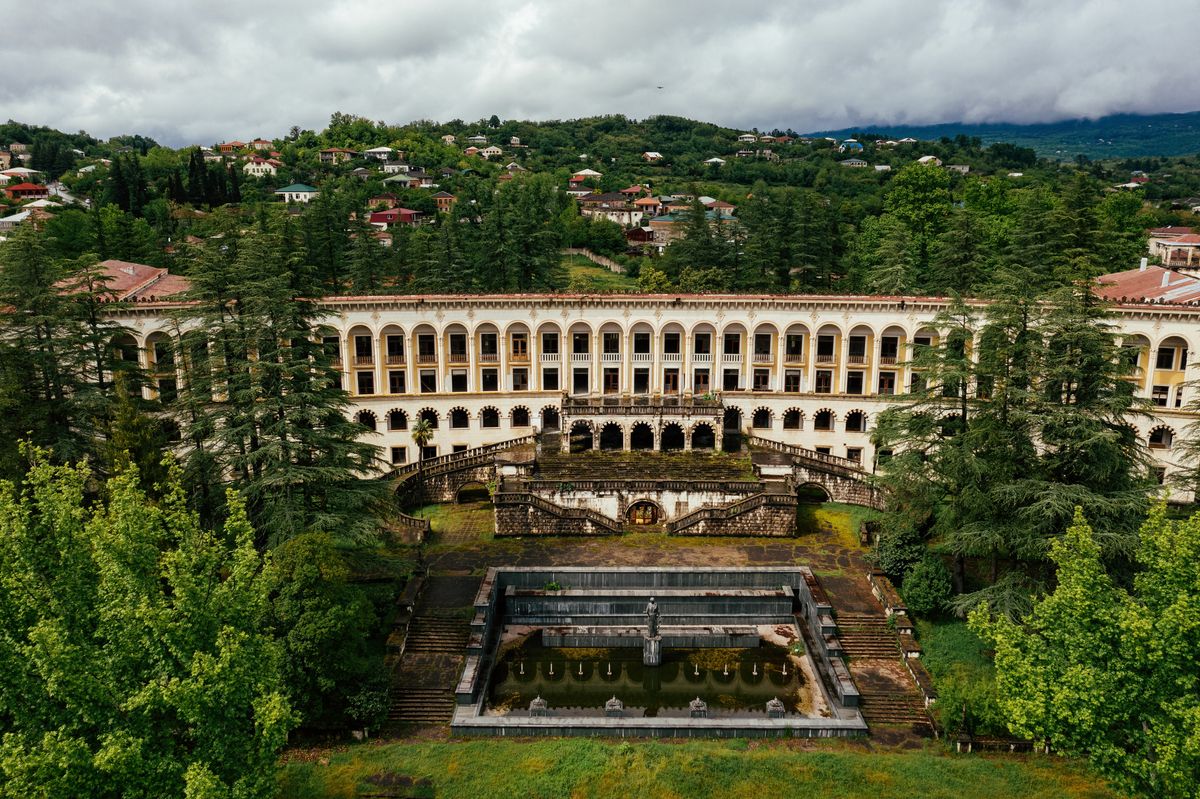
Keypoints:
pixel 575 767
pixel 582 272
pixel 455 523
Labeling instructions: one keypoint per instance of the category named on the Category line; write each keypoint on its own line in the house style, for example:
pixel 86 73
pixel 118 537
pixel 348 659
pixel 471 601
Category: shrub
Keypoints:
pixel 927 586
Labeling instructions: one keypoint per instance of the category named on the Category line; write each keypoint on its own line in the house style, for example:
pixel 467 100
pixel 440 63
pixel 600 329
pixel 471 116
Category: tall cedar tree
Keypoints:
pixel 275 417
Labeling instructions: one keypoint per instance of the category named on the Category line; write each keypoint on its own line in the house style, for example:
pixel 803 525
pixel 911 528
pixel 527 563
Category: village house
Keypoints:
pixel 472 150
pixel 714 161
pixel 449 139
pixel 229 147
pixel 491 152
pixel 27 191
pixel 382 201
pixel 478 138
pixel 850 146
pixel 515 141
pixel 362 173
pixel 260 167
pixel 297 193
pixel 854 162
pixel 723 209
pixel 379 153
pixel 261 144
pixel 335 155
pixel 585 174
pixel 649 206
pixel 576 190
pixel 748 137
pixel 928 160
pixel 445 201
pixel 767 139
pixel 5 159
pixel 395 167
pixel 613 206
pixel 395 216
pixel 652 157
pixel 960 168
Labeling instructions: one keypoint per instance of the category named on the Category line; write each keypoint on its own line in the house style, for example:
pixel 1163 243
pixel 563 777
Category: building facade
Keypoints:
pixel 810 371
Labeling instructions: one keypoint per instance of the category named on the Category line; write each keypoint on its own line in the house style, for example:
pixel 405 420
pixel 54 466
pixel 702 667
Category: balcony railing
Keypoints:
pixel 643 357
pixel 363 360
pixel 732 357
pixel 825 358
pixel 610 357
pixel 489 357
pixel 857 359
pixel 550 357
pixel 793 357
pixel 887 360
pixel 763 357
pixel 702 357
pixel 519 357
pixel 581 357
pixel 672 357
pixel 427 357
pixel 458 357
pixel 393 360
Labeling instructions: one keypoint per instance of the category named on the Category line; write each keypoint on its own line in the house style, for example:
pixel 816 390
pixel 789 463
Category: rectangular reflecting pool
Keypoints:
pixel 732 683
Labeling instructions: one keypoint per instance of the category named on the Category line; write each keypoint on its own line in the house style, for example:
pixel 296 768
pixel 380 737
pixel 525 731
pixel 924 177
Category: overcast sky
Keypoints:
pixel 200 72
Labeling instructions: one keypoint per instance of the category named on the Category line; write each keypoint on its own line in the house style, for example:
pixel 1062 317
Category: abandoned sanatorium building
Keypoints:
pixel 652 371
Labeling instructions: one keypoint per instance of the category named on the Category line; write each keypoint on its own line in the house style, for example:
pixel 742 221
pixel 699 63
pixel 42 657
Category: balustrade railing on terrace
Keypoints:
pixel 825 358
pixel 610 357
pixel 726 486
pixel 509 497
pixel 672 357
pixel 427 357
pixel 489 357
pixel 363 360
pixel 832 463
pixel 476 456
pixel 549 357
pixel 636 404
pixel 395 359
pixel 728 511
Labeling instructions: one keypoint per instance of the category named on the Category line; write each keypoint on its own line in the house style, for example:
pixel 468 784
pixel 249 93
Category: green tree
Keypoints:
pixel 136 660
pixel 1089 641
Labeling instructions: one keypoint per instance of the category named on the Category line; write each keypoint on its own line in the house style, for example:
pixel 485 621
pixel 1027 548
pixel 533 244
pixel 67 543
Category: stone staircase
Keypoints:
pixel 867 637
pixel 423 682
pixel 896 708
pixel 864 635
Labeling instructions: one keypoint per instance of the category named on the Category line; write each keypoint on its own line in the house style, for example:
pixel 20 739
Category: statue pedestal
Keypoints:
pixel 652 650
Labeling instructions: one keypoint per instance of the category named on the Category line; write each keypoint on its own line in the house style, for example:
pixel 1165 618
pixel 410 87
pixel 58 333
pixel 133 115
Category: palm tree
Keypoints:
pixel 422 434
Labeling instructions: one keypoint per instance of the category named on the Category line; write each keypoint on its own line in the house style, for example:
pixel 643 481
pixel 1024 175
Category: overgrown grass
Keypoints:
pixel 963 675
pixel 454 523
pixel 727 769
pixel 582 274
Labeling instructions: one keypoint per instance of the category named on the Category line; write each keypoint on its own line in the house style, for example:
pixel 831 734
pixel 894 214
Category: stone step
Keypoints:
pixel 421 705
pixel 894 708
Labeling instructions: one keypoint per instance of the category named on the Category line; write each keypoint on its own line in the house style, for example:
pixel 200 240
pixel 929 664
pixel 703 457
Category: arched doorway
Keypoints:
pixel 672 438
pixel 550 420
pixel 703 437
pixel 643 513
pixel 641 437
pixel 581 437
pixel 809 497
pixel 473 491
pixel 612 437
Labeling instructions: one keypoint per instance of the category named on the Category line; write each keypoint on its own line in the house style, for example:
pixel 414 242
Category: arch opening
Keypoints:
pixel 672 438
pixel 703 437
pixel 643 513
pixel 641 437
pixel 612 437
pixel 472 491
pixel 581 437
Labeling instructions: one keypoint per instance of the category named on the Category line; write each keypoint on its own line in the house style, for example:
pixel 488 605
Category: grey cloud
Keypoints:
pixel 190 72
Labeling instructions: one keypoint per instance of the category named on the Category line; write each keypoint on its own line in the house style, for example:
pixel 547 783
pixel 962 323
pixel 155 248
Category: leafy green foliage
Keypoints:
pixel 135 659
pixel 1106 673
pixel 927 586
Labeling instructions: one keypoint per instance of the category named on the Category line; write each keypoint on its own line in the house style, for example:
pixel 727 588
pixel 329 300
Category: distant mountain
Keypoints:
pixel 1116 136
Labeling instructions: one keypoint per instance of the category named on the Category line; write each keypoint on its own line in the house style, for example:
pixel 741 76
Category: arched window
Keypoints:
pixel 366 419
pixel 430 416
pixel 856 422
pixel 823 420
pixel 761 419
pixel 520 416
pixel 1161 438
pixel 397 420
pixel 459 420
pixel 792 419
pixel 489 417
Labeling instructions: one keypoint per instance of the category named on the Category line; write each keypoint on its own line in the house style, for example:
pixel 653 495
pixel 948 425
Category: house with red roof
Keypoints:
pixel 335 155
pixel 231 146
pixel 1181 251
pixel 261 144
pixel 445 201
pixel 27 191
pixel 395 216
pixel 1149 284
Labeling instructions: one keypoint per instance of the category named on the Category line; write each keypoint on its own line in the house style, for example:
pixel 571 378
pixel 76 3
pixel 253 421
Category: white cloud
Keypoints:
pixel 190 72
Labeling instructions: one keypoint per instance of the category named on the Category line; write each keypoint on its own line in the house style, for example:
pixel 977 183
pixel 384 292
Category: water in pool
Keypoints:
pixel 736 683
